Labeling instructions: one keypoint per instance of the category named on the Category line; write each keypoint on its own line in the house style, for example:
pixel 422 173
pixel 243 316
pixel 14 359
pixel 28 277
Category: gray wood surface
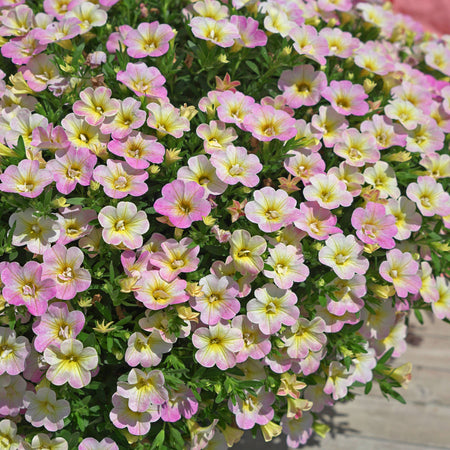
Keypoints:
pixel 373 423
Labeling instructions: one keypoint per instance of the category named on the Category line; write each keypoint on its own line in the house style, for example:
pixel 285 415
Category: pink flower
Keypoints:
pixel 143 80
pixel 305 336
pixel 348 295
pixel 271 209
pixel 246 250
pixel 298 430
pixel 267 123
pixel 57 325
pixel 26 179
pixel 309 43
pixel 338 381
pixel 401 270
pixel 374 226
pixel 150 39
pixel 357 148
pixel 254 409
pixel 249 34
pixel 218 32
pixel 119 179
pixel 61 30
pixel 235 165
pixel 346 98
pixel 302 85
pixel 407 219
pixel 429 196
pixel 216 136
pixel 330 124
pixel 385 133
pixel 93 444
pixel 39 72
pixel 12 390
pixel 183 203
pixel 71 167
pixel 26 286
pixel 328 191
pixel 15 351
pixel 181 403
pixel 96 105
pixel 272 307
pixel 166 119
pixel 123 224
pixel 64 266
pixel 146 350
pixel 217 345
pixel 70 363
pixel 256 344
pixel 217 300
pixel 304 164
pixel 74 223
pixel 138 149
pixel 318 222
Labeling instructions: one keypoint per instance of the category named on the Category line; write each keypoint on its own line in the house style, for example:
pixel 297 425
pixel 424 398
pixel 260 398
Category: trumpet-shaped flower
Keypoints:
pixel 287 266
pixel 142 389
pixel 235 165
pixel 166 119
pixel 26 286
pixel 401 270
pixel 89 15
pixel 181 403
pixel 218 32
pixel 138 149
pixel 216 136
pixel 156 293
pixel 340 43
pixel 385 133
pixel 25 179
pixel 70 363
pixel 347 295
pixel 346 98
pixel 267 123
pixel 304 164
pixel 119 179
pixel 143 80
pixel 330 124
pixel 14 352
pixel 438 166
pixel 426 138
pixel 382 177
pixel 407 219
pixel 328 191
pixel 12 390
pixel 39 72
pixel 441 307
pixel 96 105
pixel 429 196
pixel 344 255
pixel 357 148
pixel 123 225
pixel 297 430
pixel 146 350
pixel 374 226
pixel 309 43
pixel 217 300
pixel 74 223
pixel 271 209
pixel 249 34
pixel 93 444
pixel 63 265
pixel 338 381
pixel 183 202
pixel 42 409
pixel 217 345
pixel 71 167
pixel 272 307
pixel 246 250
pixel 302 85
pixel 234 107
pixel 150 39
pixel 405 112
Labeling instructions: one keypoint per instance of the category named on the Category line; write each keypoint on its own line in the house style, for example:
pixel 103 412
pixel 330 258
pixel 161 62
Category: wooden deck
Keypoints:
pixel 373 423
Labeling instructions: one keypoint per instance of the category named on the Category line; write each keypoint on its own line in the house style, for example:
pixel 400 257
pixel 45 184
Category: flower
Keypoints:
pixel 346 98
pixel 429 196
pixel 216 136
pixel 218 32
pixel 70 363
pixel 93 444
pixel 328 191
pixel 357 148
pixel 14 351
pixel 343 255
pixel 146 350
pixel 64 267
pixel 183 203
pixel 246 250
pixel 217 345
pixel 123 224
pixel 272 307
pixel 143 80
pixel 44 410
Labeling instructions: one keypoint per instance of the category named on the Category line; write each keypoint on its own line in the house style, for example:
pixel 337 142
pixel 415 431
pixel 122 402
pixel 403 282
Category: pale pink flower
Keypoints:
pixel 249 34
pixel 267 123
pixel 233 107
pixel 426 138
pixel 328 191
pixel 116 38
pixel 271 209
pixel 382 177
pixel 21 49
pixel 246 250
pixel 357 148
pixel 39 72
pixel 127 118
pixel 254 409
pixel 302 85
pixel 25 179
pixel 57 325
pixel 183 202
pixel 272 307
pixel 318 222
pixel 216 136
pixel 297 430
pixel 12 390
pixel 64 266
pixel 385 133
pixel 17 21
pixel 218 32
pixel 338 381
pixel 61 30
pixel 350 175
pixel 364 364
pixel 304 164
pixel 401 270
pixel 89 14
pixel 309 43
pixel 71 167
pixel 150 39
pixel 441 307
pixel 14 352
pixel 123 224
pixel 405 112
pixel 83 135
pixel 42 409
pixel 346 98
pixel 27 286
pixel 146 350
pixel 181 403
pixel 74 223
pixel 119 179
pixel 217 345
pixel 166 119
pixel 256 344
pixel 93 444
pixel 344 255
pixel 217 300
pixel 139 150
pixel 143 80
pixel 438 166
pixel 340 43
pixel 235 165
pixel 330 124
pixel 429 196
pixel 374 226
pixel 347 295
pixel 50 138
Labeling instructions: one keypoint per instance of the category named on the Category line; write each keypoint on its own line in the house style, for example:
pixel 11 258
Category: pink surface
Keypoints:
pixel 434 15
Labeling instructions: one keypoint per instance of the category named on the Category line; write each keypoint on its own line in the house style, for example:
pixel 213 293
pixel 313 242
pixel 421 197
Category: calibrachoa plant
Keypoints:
pixel 216 216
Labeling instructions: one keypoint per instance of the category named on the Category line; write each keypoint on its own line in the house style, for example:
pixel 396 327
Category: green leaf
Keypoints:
pixel 176 438
pixel 76 201
pixel 252 66
pixel 159 439
pixel 418 315
pixel 368 388
pixel 396 396
pixel 386 356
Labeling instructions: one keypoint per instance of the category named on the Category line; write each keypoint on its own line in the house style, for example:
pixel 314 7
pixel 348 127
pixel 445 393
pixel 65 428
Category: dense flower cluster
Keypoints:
pixel 217 216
